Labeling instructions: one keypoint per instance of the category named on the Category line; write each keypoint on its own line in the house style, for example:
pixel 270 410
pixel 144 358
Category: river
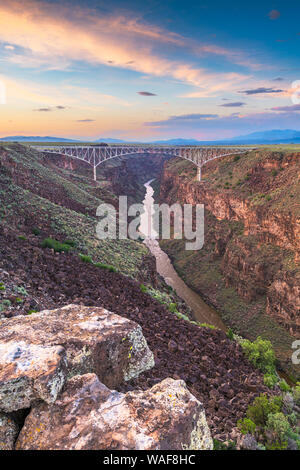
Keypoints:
pixel 201 311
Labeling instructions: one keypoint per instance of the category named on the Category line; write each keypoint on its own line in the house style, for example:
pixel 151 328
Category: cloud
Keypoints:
pixel 48 108
pixel 43 110
pixel 233 124
pixel 295 107
pixel 85 120
pixel 146 93
pixel 260 90
pixel 233 105
pixel 278 79
pixel 182 118
pixel 274 14
pixel 54 36
pixel 9 47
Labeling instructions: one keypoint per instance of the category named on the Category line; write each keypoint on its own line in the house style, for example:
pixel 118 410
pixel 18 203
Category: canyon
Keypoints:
pixel 54 198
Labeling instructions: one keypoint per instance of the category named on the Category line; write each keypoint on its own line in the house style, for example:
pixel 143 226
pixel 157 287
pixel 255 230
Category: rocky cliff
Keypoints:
pixel 60 371
pixel 252 239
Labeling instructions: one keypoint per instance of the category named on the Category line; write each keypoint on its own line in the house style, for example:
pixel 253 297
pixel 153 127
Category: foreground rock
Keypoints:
pixel 8 432
pixel 29 372
pixel 65 342
pixel 90 416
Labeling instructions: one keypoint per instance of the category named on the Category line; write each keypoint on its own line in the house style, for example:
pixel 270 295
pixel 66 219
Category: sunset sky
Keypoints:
pixel 148 69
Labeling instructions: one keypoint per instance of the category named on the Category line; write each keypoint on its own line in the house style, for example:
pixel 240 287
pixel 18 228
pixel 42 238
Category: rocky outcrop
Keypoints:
pixel 29 372
pixel 90 416
pixel 64 342
pixel 53 378
pixel 8 432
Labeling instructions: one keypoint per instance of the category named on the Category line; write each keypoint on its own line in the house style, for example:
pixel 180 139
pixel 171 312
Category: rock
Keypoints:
pixel 8 432
pixel 291 444
pixel 172 346
pixel 88 415
pixel 249 442
pixel 94 340
pixel 29 372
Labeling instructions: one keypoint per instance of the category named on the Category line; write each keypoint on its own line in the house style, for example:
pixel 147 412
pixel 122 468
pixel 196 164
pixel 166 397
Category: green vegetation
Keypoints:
pixel 2 286
pixel 109 267
pixel 36 231
pixel 85 258
pixel 56 245
pixel 246 426
pixel 218 445
pixel 260 353
pixel 270 423
pixel 230 334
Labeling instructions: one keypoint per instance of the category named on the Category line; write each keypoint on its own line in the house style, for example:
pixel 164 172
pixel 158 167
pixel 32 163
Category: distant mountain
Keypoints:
pixel 177 142
pixel 275 136
pixel 108 140
pixel 269 137
pixel 23 138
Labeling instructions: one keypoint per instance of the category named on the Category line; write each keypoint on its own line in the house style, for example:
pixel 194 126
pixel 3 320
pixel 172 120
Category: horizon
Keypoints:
pixel 80 70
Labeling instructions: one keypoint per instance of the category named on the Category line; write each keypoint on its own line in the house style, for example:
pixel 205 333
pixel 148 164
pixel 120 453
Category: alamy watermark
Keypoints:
pixel 153 221
pixel 296 354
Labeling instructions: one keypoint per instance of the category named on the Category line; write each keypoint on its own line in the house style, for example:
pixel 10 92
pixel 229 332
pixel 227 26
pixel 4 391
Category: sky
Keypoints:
pixel 148 69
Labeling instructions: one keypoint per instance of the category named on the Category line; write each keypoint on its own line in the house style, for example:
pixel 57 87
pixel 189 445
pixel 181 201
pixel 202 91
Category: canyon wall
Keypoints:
pixel 252 237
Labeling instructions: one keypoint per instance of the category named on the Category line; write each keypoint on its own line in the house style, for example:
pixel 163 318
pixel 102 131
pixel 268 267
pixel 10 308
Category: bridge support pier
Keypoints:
pixel 198 173
pixel 95 173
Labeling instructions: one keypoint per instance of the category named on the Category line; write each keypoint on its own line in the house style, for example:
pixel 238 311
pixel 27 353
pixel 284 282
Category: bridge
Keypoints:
pixel 94 155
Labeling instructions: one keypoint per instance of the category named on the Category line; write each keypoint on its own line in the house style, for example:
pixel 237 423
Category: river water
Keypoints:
pixel 201 311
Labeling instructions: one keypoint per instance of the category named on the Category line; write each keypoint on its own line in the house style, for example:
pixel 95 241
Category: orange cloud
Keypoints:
pixel 55 37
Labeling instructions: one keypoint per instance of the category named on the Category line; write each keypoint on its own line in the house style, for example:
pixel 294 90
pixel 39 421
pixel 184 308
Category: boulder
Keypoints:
pixel 89 416
pixel 8 432
pixel 29 372
pixel 90 339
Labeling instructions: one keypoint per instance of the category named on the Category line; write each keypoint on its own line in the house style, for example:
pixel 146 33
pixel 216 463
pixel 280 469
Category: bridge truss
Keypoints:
pixel 95 155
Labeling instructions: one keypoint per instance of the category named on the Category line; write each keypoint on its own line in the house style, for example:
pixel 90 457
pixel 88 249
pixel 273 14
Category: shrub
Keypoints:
pixel 109 267
pixel 21 290
pixel 284 387
pixel 270 380
pixel 246 426
pixel 236 158
pixel 55 245
pixel 22 237
pixel 31 311
pixel 279 427
pixel 2 286
pixel 143 288
pixel 207 325
pixel 85 258
pixel 219 445
pixel 36 231
pixel 296 393
pixel 70 243
pixel 230 334
pixel 173 307
pixel 260 353
pixel 274 172
pixel 262 406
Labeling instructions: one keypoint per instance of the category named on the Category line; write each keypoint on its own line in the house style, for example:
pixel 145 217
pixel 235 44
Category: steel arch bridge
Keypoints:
pixel 95 155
